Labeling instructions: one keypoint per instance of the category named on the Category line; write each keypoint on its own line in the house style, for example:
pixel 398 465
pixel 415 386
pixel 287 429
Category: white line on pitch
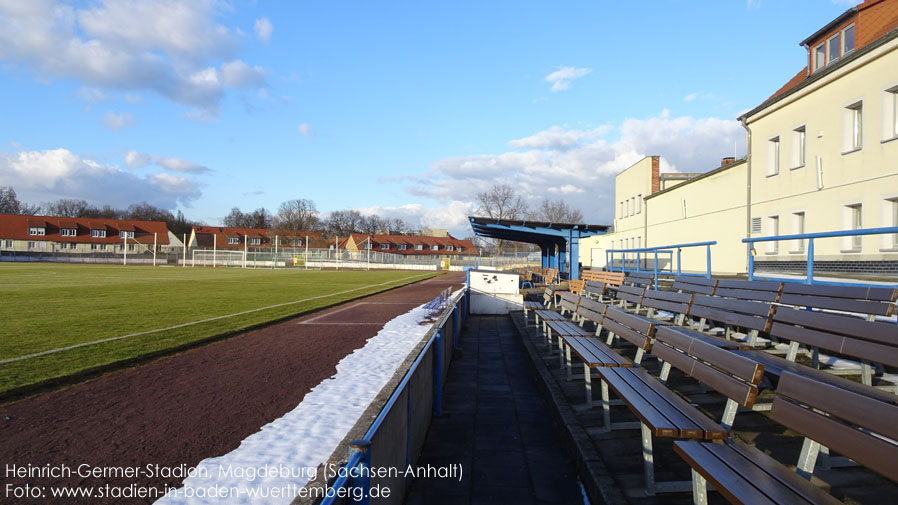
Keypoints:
pixel 183 325
pixel 343 324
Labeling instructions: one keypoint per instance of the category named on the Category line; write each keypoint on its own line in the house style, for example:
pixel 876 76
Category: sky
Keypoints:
pixel 401 109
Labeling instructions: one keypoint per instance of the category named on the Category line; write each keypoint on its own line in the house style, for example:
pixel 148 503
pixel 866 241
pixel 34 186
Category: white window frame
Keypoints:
pixel 385 247
pixel 818 50
pixel 130 247
pixel 888 219
pixel 774 150
pixel 419 247
pixel 450 248
pixel 799 146
pixel 37 231
pixel 890 112
pixel 255 241
pixel 853 40
pixel 853 127
pixel 98 233
pixel 799 226
pixel 125 234
pixel 68 232
pixel 93 247
pixel 639 203
pixel 402 247
pixel 830 59
pixel 7 243
pixel 435 247
pixel 103 247
pixel 233 240
pixel 773 230
pixel 31 244
pixel 853 219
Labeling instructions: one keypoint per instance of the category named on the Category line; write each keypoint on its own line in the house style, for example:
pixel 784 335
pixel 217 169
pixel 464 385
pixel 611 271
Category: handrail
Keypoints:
pixel 809 275
pixel 665 249
pixel 360 452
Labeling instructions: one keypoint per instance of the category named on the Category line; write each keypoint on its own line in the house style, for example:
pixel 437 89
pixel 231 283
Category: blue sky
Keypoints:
pixel 398 108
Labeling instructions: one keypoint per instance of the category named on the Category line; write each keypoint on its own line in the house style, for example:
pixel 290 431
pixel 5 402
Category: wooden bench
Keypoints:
pixel 866 301
pixel 576 286
pixel 678 304
pixel 695 285
pixel 751 316
pixel 663 413
pixel 759 291
pixel 594 290
pixel 609 278
pixel 626 295
pixel 867 341
pixel 531 305
pixel 640 279
pixel 633 328
pixel 859 427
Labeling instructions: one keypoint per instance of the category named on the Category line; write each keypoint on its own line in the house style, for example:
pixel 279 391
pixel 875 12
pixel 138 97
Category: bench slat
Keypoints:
pixel 843 304
pixel 704 337
pixel 739 391
pixel 877 353
pixel 549 315
pixel 641 324
pixel 746 368
pixel 634 337
pixel 882 332
pixel 853 292
pixel 567 328
pixel 596 353
pixel 729 482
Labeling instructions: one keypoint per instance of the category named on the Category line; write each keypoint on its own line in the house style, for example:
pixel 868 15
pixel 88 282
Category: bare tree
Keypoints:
pixel 556 211
pixel 295 215
pixel 67 207
pixel 343 222
pixel 501 202
pixel 372 224
pixel 10 204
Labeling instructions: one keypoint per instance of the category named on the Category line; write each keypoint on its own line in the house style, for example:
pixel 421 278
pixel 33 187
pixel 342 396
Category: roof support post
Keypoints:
pixel 544 253
pixel 575 255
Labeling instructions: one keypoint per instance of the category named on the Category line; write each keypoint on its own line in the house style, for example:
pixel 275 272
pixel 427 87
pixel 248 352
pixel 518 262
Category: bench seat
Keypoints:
pixel 594 353
pixel 704 337
pixel 746 475
pixel 665 413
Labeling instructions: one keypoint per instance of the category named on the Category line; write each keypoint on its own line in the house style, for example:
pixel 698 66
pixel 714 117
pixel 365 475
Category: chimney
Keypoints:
pixel 727 160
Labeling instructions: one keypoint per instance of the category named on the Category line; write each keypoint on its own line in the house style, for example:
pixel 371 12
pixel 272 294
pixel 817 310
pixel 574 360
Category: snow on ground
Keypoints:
pixel 283 456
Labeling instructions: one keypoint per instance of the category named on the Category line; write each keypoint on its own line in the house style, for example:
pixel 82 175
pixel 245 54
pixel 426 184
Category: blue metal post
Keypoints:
pixel 709 262
pixel 638 260
pixel 575 256
pixel 678 261
pixel 438 373
pixel 810 279
pixel 362 478
pixel 751 263
pixel 656 270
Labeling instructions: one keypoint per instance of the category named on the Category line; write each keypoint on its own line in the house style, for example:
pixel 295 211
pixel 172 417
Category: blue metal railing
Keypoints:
pixel 655 251
pixel 809 276
pixel 354 473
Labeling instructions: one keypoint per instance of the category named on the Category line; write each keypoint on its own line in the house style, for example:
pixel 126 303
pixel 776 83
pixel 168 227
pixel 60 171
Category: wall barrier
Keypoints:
pixel 396 436
pixel 809 275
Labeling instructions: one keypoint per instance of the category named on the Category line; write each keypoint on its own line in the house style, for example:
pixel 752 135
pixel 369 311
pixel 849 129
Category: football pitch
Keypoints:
pixel 61 320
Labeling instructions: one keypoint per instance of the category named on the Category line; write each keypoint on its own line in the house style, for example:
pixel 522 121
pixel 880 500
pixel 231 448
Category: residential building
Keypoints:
pixel 47 234
pixel 224 237
pixel 411 245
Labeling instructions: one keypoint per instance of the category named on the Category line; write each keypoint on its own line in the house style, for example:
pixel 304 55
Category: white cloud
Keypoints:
pixel 561 78
pixel 136 160
pixel 117 122
pixel 304 129
pixel 163 46
pixel 580 165
pixel 453 216
pixel 690 97
pixel 263 28
pixel 48 175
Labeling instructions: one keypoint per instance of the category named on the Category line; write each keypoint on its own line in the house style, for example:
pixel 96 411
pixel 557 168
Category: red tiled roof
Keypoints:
pixel 410 241
pixel 15 227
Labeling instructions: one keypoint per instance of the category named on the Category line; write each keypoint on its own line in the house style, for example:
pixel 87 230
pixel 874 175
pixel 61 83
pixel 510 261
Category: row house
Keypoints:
pixel 46 234
pixel 411 245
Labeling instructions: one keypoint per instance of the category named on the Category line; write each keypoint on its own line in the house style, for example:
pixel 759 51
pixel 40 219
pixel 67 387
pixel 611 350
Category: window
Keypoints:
pixel 855 222
pixel 102 247
pixel 773 156
pixel 233 240
pixel 819 56
pixel 93 247
pixel 68 232
pixel 8 243
pixel 630 209
pixel 255 241
pixel 890 114
pixel 31 244
pixel 798 229
pixel 773 230
pixel 368 245
pixel 890 214
pixel 419 247
pixel 37 230
pixel 384 247
pixel 434 247
pixel 450 248
pixel 639 204
pixel 854 127
pixel 63 245
pixel 623 210
pixel 832 49
pixel 125 234
pixel 847 40
pixel 130 247
pixel 401 247
pixel 799 146
pixel 98 233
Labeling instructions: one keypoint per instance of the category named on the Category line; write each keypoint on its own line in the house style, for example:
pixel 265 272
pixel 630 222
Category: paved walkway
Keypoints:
pixel 497 425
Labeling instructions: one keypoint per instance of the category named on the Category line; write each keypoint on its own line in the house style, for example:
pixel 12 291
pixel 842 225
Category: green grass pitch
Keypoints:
pixel 51 306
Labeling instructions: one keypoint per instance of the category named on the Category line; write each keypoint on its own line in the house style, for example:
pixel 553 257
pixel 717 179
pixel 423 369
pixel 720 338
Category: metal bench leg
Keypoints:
pixel 866 373
pixel 728 330
pixel 648 460
pixel 637 360
pixel 808 458
pixel 729 414
pixel 606 406
pixel 561 346
pixel 610 339
pixel 587 376
pixel 701 324
pixel 567 355
pixel 752 337
pixel 665 372
pixel 680 319
pixel 699 489
pixel 793 351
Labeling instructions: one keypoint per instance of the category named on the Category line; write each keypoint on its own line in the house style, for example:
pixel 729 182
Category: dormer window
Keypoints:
pixel 125 234
pixel 847 40
pixel 369 245
pixel 401 247
pixel 68 232
pixel 832 49
pixel 255 241
pixel 419 247
pixel 39 231
pixel 233 240
pixel 384 247
pixel 98 233
pixel 450 248
pixel 434 247
pixel 819 56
